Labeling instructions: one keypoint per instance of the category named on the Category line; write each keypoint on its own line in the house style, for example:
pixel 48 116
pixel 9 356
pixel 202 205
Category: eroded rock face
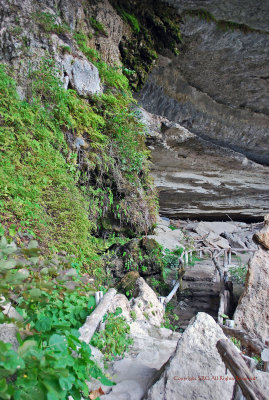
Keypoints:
pixel 8 334
pixel 255 15
pixel 198 178
pixel 252 313
pixel 167 238
pixel 217 87
pixel 262 237
pixel 196 355
pixel 28 34
pixel 82 75
pixel 146 305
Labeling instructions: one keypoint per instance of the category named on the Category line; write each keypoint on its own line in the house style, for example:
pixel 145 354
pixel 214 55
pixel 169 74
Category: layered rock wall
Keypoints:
pixel 217 87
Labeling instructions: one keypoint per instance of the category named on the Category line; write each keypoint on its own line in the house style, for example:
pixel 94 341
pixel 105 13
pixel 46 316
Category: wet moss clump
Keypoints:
pixel 155 30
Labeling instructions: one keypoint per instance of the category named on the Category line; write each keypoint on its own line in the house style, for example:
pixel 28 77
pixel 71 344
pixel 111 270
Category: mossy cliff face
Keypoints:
pixel 73 159
pixel 154 29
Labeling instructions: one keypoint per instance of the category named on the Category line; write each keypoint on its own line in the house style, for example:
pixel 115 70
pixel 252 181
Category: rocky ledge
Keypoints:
pixel 199 179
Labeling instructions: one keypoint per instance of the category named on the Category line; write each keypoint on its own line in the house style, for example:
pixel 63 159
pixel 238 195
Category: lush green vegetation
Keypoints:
pixel 132 20
pixel 43 189
pixel 71 170
pixel 98 27
pixel 51 362
pixel 50 24
pixel 114 340
pixel 238 273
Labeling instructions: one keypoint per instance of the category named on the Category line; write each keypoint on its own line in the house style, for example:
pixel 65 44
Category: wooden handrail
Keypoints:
pixel 253 345
pixel 240 371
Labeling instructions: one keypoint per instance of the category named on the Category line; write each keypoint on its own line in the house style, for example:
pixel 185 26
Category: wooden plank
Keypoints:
pixel 240 371
pixel 253 345
pixel 87 330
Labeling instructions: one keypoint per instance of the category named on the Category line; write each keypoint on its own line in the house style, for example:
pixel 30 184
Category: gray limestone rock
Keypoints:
pixel 120 301
pixel 252 312
pixel 83 75
pixel 152 348
pixel 146 305
pixel 166 237
pixel 8 334
pixel 216 88
pixel 195 370
pixel 198 178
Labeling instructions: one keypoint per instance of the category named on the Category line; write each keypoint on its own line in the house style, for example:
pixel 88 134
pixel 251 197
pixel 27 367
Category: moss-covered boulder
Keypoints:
pixel 141 255
pixel 128 284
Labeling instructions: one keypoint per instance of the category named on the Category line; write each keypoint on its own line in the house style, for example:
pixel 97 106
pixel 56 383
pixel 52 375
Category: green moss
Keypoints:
pixel 155 29
pixel 49 23
pixel 44 189
pixel 66 49
pixel 132 20
pixel 98 27
pixel 38 190
pixel 82 41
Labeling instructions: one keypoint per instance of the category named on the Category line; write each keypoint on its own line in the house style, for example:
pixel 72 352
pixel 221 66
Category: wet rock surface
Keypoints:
pixel 256 15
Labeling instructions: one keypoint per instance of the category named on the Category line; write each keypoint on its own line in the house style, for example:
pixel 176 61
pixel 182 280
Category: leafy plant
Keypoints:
pixel 238 273
pixel 52 362
pixel 236 342
pixel 114 339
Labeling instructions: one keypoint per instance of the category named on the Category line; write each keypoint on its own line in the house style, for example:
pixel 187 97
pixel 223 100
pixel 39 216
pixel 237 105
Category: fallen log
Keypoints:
pixel 87 330
pixel 240 371
pixel 253 345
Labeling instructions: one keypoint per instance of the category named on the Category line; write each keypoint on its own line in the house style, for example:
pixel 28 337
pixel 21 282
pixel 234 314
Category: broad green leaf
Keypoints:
pixel 118 311
pixel 10 361
pixel 3 386
pixel 30 393
pixel 2 230
pixel 12 230
pixel 43 324
pixel 35 293
pixel 66 382
pixel 52 396
pixel 58 343
pixel 105 381
pixel 7 264
pixel 15 277
pixel 64 361
pixel 26 347
pixel 91 302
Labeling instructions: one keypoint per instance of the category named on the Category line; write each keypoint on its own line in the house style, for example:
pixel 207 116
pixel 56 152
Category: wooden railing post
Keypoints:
pixel 240 371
